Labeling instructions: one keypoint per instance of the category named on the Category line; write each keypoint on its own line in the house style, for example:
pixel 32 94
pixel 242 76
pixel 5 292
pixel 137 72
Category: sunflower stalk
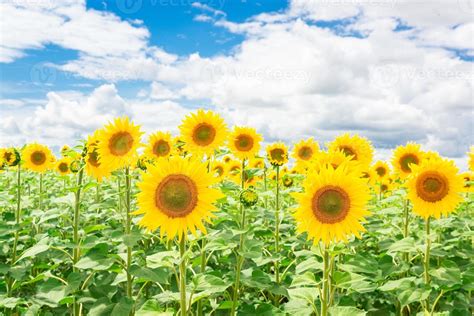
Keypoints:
pixel 277 232
pixel 17 222
pixel 240 257
pixel 128 224
pixel 182 274
pixel 325 292
pixel 76 252
pixel 427 258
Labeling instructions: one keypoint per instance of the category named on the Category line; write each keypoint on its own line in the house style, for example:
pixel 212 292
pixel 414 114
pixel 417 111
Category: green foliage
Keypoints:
pixel 370 276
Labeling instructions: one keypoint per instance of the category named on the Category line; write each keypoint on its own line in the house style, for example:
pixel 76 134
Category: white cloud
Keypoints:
pixel 289 78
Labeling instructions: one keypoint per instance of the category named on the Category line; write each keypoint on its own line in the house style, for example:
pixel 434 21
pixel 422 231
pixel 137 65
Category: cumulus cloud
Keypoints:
pixel 387 69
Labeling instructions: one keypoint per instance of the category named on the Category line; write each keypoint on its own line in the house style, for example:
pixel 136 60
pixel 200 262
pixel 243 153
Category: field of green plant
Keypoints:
pixel 70 245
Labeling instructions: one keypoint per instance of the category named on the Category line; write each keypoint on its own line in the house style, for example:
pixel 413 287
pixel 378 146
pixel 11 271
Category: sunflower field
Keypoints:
pixel 212 222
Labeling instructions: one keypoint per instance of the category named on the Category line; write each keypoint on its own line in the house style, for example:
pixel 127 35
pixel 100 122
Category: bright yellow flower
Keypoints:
pixel 355 147
pixel 160 145
pixel 404 157
pixel 277 154
pixel 203 132
pixel 94 167
pixel 434 188
pixel 38 158
pixel 118 144
pixel 177 196
pixel 333 205
pixel 304 151
pixel 381 170
pixel 62 166
pixel 244 142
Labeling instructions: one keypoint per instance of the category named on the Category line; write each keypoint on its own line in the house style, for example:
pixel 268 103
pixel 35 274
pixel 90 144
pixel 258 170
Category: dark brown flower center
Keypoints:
pixel 243 142
pixel 278 154
pixel 161 148
pixel 120 143
pixel 305 153
pixel 93 158
pixel 176 195
pixel 204 134
pixel 381 171
pixel 63 167
pixel 408 159
pixel 38 158
pixel 330 204
pixel 432 186
pixel 349 151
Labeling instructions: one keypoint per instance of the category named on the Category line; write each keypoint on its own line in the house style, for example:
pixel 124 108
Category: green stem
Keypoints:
pixel 182 274
pixel 240 258
pixel 325 292
pixel 17 212
pixel 76 252
pixel 405 228
pixel 128 225
pixel 277 232
pixel 17 231
pixel 427 259
pixel 40 200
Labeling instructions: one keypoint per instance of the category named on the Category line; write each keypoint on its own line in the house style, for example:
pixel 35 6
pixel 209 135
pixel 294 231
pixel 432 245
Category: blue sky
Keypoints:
pixel 393 71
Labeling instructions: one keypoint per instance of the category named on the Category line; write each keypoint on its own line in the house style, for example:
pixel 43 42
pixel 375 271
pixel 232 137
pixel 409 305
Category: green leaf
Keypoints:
pixel 158 275
pixel 49 293
pixel 401 284
pixel 131 240
pixel 33 251
pixel 123 307
pixel 96 259
pixel 413 295
pixel 402 246
pixel 345 311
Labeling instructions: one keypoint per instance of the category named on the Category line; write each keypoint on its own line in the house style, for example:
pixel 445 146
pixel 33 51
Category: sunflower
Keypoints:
pixel 64 150
pixel 218 169
pixel 226 158
pixel 468 181
pixel 118 143
pixel 94 167
pixel 38 157
pixel 203 132
pixel 471 158
pixel 160 145
pixel 176 197
pixel 383 186
pixel 434 188
pixel 62 166
pixel 381 170
pixel 333 204
pixel 10 156
pixel 355 147
pixel 233 171
pixel 277 154
pixel 334 158
pixel 404 157
pixel 431 155
pixel 304 151
pixel 257 163
pixel 244 142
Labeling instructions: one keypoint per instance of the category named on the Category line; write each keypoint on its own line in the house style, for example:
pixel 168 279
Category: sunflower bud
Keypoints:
pixel 75 166
pixel 287 181
pixel 248 197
